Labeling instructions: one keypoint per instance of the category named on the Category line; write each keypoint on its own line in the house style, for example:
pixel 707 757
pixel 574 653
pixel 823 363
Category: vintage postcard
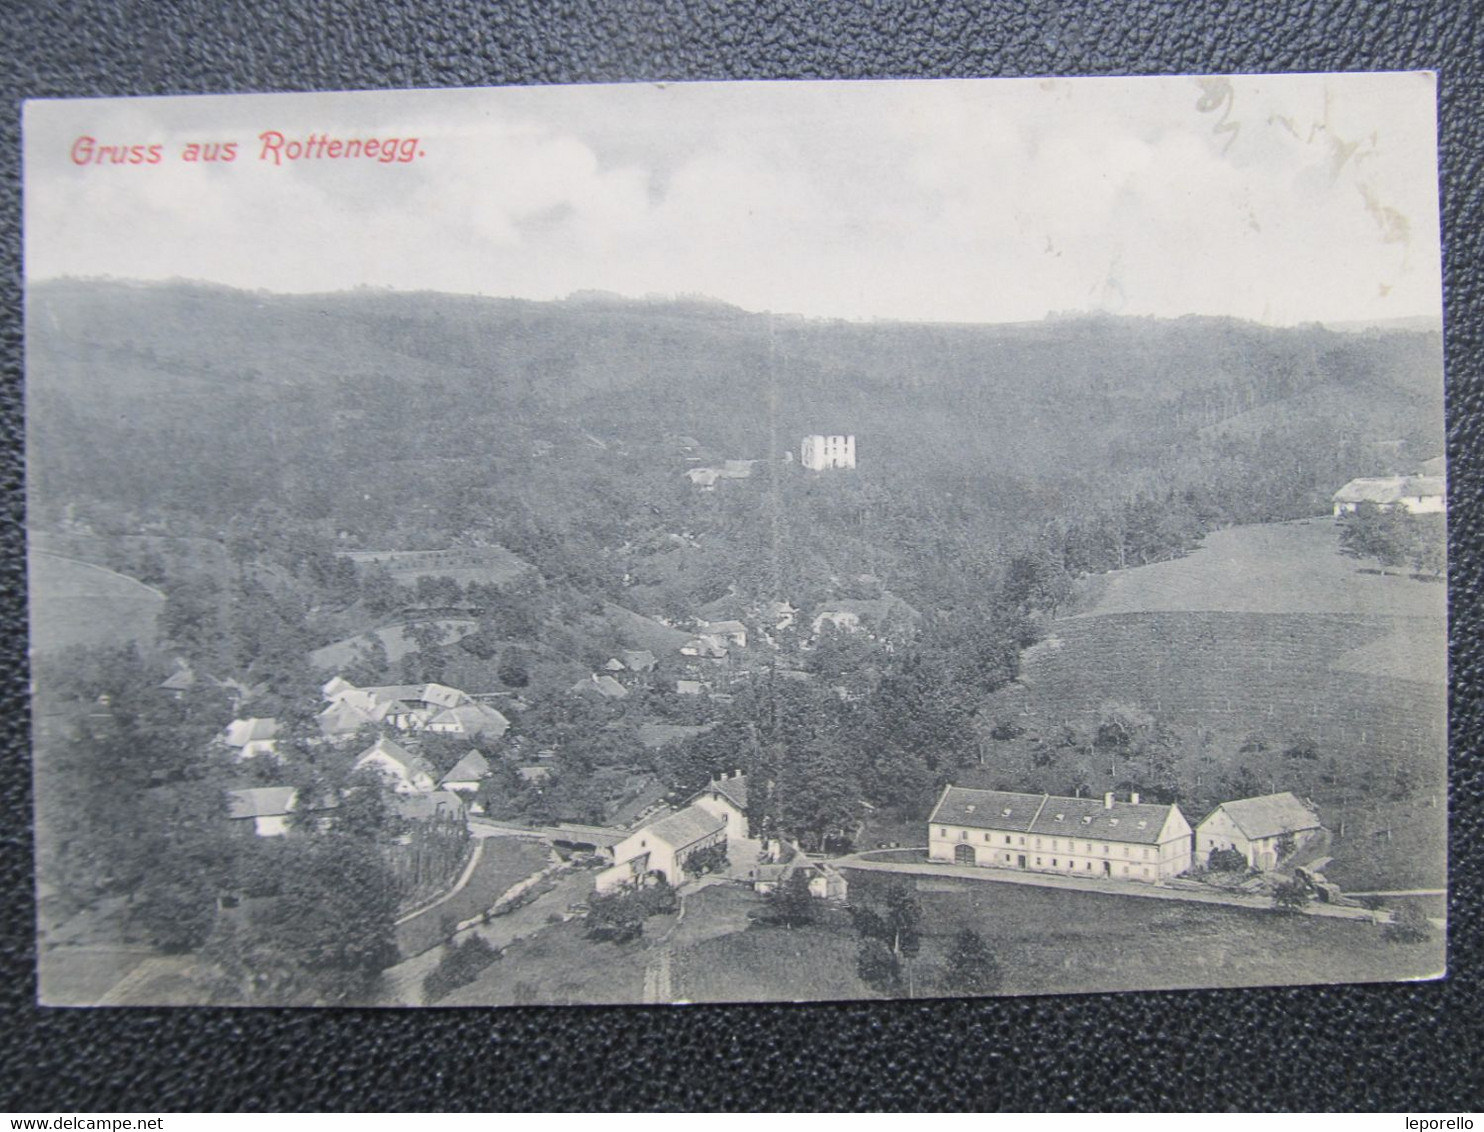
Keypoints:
pixel 737 541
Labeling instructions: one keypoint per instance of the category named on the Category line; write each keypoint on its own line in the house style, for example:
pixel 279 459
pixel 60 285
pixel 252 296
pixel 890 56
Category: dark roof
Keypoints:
pixel 1048 814
pixel 1268 815
pixel 685 827
pixel 734 789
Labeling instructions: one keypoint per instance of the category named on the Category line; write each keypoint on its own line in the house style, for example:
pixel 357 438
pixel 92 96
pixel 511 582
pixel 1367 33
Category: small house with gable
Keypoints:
pixel 1257 828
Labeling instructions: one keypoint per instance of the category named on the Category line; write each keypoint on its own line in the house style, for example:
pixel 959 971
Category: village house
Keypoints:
pixel 466 774
pixel 714 815
pixel 471 719
pixel 825 882
pixel 705 649
pixel 663 847
pixel 724 633
pixel 639 660
pixel 403 771
pixel 1084 837
pixel 252 737
pixel 605 686
pixel 726 797
pixel 406 707
pixel 1257 828
pixel 267 809
pixel 1419 495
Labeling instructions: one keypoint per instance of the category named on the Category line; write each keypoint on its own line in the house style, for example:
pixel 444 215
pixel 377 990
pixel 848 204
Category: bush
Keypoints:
pixel 459 965
pixel 618 917
pixel 712 859
pixel 1291 896
pixel 1226 861
pixel 1409 924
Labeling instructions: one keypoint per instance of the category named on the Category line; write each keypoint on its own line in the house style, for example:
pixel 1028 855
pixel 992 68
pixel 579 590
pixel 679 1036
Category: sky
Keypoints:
pixel 1281 199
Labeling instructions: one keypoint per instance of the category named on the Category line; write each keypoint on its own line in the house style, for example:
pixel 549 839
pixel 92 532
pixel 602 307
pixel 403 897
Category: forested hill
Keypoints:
pixel 412 419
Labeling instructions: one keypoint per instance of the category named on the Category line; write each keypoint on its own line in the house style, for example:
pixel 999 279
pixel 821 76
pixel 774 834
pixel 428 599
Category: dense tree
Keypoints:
pixel 323 938
pixel 970 967
pixel 791 904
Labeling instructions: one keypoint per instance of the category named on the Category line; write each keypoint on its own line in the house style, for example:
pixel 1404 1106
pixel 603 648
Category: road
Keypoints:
pixel 1107 886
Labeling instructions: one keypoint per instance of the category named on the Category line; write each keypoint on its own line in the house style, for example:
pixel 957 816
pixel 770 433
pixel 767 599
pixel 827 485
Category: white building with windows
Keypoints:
pixel 823 452
pixel 1261 829
pixel 1084 837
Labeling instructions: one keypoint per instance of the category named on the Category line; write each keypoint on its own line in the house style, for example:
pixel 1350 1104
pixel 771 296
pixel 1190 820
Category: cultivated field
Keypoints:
pixel 1270 568
pixel 77 603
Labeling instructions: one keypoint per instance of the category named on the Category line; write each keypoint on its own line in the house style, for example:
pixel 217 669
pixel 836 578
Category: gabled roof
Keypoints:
pixel 1390 489
pixel 414 764
pixel 1268 815
pixel 443 695
pixel 639 660
pixel 241 732
pixel 684 827
pixel 733 789
pixel 723 627
pixel 473 719
pixel 614 665
pixel 261 802
pixel 342 718
pixel 1050 815
pixel 605 686
pixel 470 768
pixel 180 680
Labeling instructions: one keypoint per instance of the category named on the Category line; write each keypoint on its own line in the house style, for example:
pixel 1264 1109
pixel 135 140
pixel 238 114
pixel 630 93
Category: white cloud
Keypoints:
pixel 1282 198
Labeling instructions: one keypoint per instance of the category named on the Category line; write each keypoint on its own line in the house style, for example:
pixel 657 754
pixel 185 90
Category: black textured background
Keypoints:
pixel 1357 1048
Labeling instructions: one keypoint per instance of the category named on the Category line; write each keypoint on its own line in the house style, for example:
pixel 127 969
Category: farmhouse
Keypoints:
pixel 1419 495
pixel 267 809
pixel 1084 837
pixel 724 633
pixel 727 799
pixel 663 847
pixel 605 686
pixel 466 774
pixel 1257 828
pixel 470 719
pixel 252 737
pixel 405 772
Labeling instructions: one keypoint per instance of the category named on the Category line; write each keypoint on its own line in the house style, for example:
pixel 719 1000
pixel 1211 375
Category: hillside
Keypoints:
pixel 1293 567
pixel 78 603
pixel 1270 662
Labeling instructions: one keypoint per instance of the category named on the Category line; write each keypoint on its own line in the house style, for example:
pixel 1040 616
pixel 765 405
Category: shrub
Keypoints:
pixel 1226 861
pixel 1291 896
pixel 459 965
pixel 1409 924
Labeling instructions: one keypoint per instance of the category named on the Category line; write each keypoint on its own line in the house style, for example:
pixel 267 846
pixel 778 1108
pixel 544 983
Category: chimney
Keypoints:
pixel 1108 800
pixel 1134 797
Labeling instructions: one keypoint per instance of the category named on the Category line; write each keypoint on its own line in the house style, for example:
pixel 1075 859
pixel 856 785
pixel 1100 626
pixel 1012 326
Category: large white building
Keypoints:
pixel 822 452
pixel 1085 837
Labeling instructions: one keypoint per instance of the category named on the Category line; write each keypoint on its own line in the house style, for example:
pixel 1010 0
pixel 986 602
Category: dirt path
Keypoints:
pixel 458 886
pixel 403 984
pixel 1106 886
